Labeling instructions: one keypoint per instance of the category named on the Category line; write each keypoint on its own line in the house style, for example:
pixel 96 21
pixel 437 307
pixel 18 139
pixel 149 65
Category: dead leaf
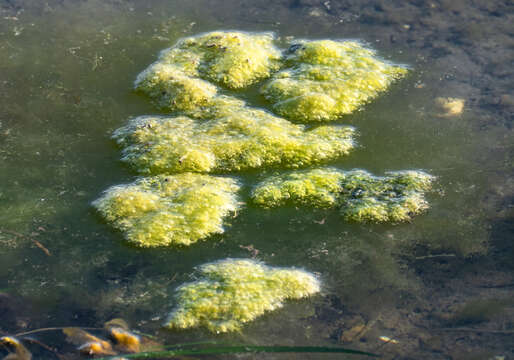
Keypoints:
pixel 88 343
pixel 125 340
pixel 117 322
pixel 128 341
pixel 17 350
pixel 353 333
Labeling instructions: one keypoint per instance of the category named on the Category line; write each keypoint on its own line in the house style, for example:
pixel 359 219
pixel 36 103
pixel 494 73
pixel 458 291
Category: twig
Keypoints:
pixel 496 286
pixel 434 256
pixel 17 234
pixel 37 243
pixel 506 332
pixel 42 247
pixel 52 329
pixel 43 345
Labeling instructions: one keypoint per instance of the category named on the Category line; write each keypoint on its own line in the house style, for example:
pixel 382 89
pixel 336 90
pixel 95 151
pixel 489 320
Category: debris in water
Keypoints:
pixel 449 107
pixel 87 343
pixel 17 351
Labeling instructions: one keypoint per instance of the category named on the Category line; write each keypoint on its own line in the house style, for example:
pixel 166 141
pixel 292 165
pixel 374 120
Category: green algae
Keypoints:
pixel 325 79
pixel 232 292
pixel 171 89
pixel 232 59
pixel 360 196
pixel 237 137
pixel 169 210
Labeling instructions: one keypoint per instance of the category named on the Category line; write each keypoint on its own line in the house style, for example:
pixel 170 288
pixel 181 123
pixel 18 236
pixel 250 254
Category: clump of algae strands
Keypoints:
pixel 169 210
pixel 325 79
pixel 236 137
pixel 232 292
pixel 233 59
pixel 360 196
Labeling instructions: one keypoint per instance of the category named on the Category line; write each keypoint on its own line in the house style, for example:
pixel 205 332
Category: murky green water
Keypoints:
pixel 66 74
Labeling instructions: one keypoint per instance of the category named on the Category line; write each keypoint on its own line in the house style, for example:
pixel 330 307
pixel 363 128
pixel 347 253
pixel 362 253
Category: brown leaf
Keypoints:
pixel 117 322
pixel 88 343
pixel 125 340
pixel 20 352
pixel 353 333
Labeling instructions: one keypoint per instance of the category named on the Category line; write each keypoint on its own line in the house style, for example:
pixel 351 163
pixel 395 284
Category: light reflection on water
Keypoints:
pixel 66 76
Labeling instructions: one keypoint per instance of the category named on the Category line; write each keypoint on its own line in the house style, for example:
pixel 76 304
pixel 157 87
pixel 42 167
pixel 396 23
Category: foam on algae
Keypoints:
pixel 360 196
pixel 169 210
pixel 236 137
pixel 232 292
pixel 325 79
pixel 231 59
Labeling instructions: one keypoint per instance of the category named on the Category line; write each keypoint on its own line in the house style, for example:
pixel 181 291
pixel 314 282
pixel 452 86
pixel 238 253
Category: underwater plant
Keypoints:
pixel 325 79
pixel 232 292
pixel 169 210
pixel 231 59
pixel 360 196
pixel 236 137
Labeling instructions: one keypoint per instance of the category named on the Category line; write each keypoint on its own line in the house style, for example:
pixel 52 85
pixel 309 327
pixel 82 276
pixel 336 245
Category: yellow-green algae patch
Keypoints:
pixel 360 196
pixel 232 59
pixel 174 90
pixel 169 210
pixel 232 292
pixel 325 79
pixel 236 137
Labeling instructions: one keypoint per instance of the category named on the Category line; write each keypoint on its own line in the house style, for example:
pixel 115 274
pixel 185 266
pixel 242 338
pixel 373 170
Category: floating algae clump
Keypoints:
pixel 360 196
pixel 172 89
pixel 326 79
pixel 232 59
pixel 169 210
pixel 233 292
pixel 237 137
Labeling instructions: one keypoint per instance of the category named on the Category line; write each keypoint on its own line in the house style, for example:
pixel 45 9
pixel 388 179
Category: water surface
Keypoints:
pixel 66 74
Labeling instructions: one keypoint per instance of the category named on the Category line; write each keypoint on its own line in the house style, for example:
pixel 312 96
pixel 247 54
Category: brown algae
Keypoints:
pixel 170 210
pixel 360 196
pixel 232 292
pixel 325 79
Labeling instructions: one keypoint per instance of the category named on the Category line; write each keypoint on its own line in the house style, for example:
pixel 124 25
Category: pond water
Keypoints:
pixel 441 285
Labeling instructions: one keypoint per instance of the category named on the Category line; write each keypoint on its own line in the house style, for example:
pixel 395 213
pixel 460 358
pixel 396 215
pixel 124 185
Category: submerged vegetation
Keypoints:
pixel 169 210
pixel 232 292
pixel 360 196
pixel 325 79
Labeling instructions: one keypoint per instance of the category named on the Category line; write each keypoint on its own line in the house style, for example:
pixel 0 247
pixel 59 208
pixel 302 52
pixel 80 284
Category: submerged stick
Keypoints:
pixel 52 329
pixel 243 349
pixel 505 332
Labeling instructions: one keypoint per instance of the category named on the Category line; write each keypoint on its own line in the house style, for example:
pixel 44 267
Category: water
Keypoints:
pixel 66 74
